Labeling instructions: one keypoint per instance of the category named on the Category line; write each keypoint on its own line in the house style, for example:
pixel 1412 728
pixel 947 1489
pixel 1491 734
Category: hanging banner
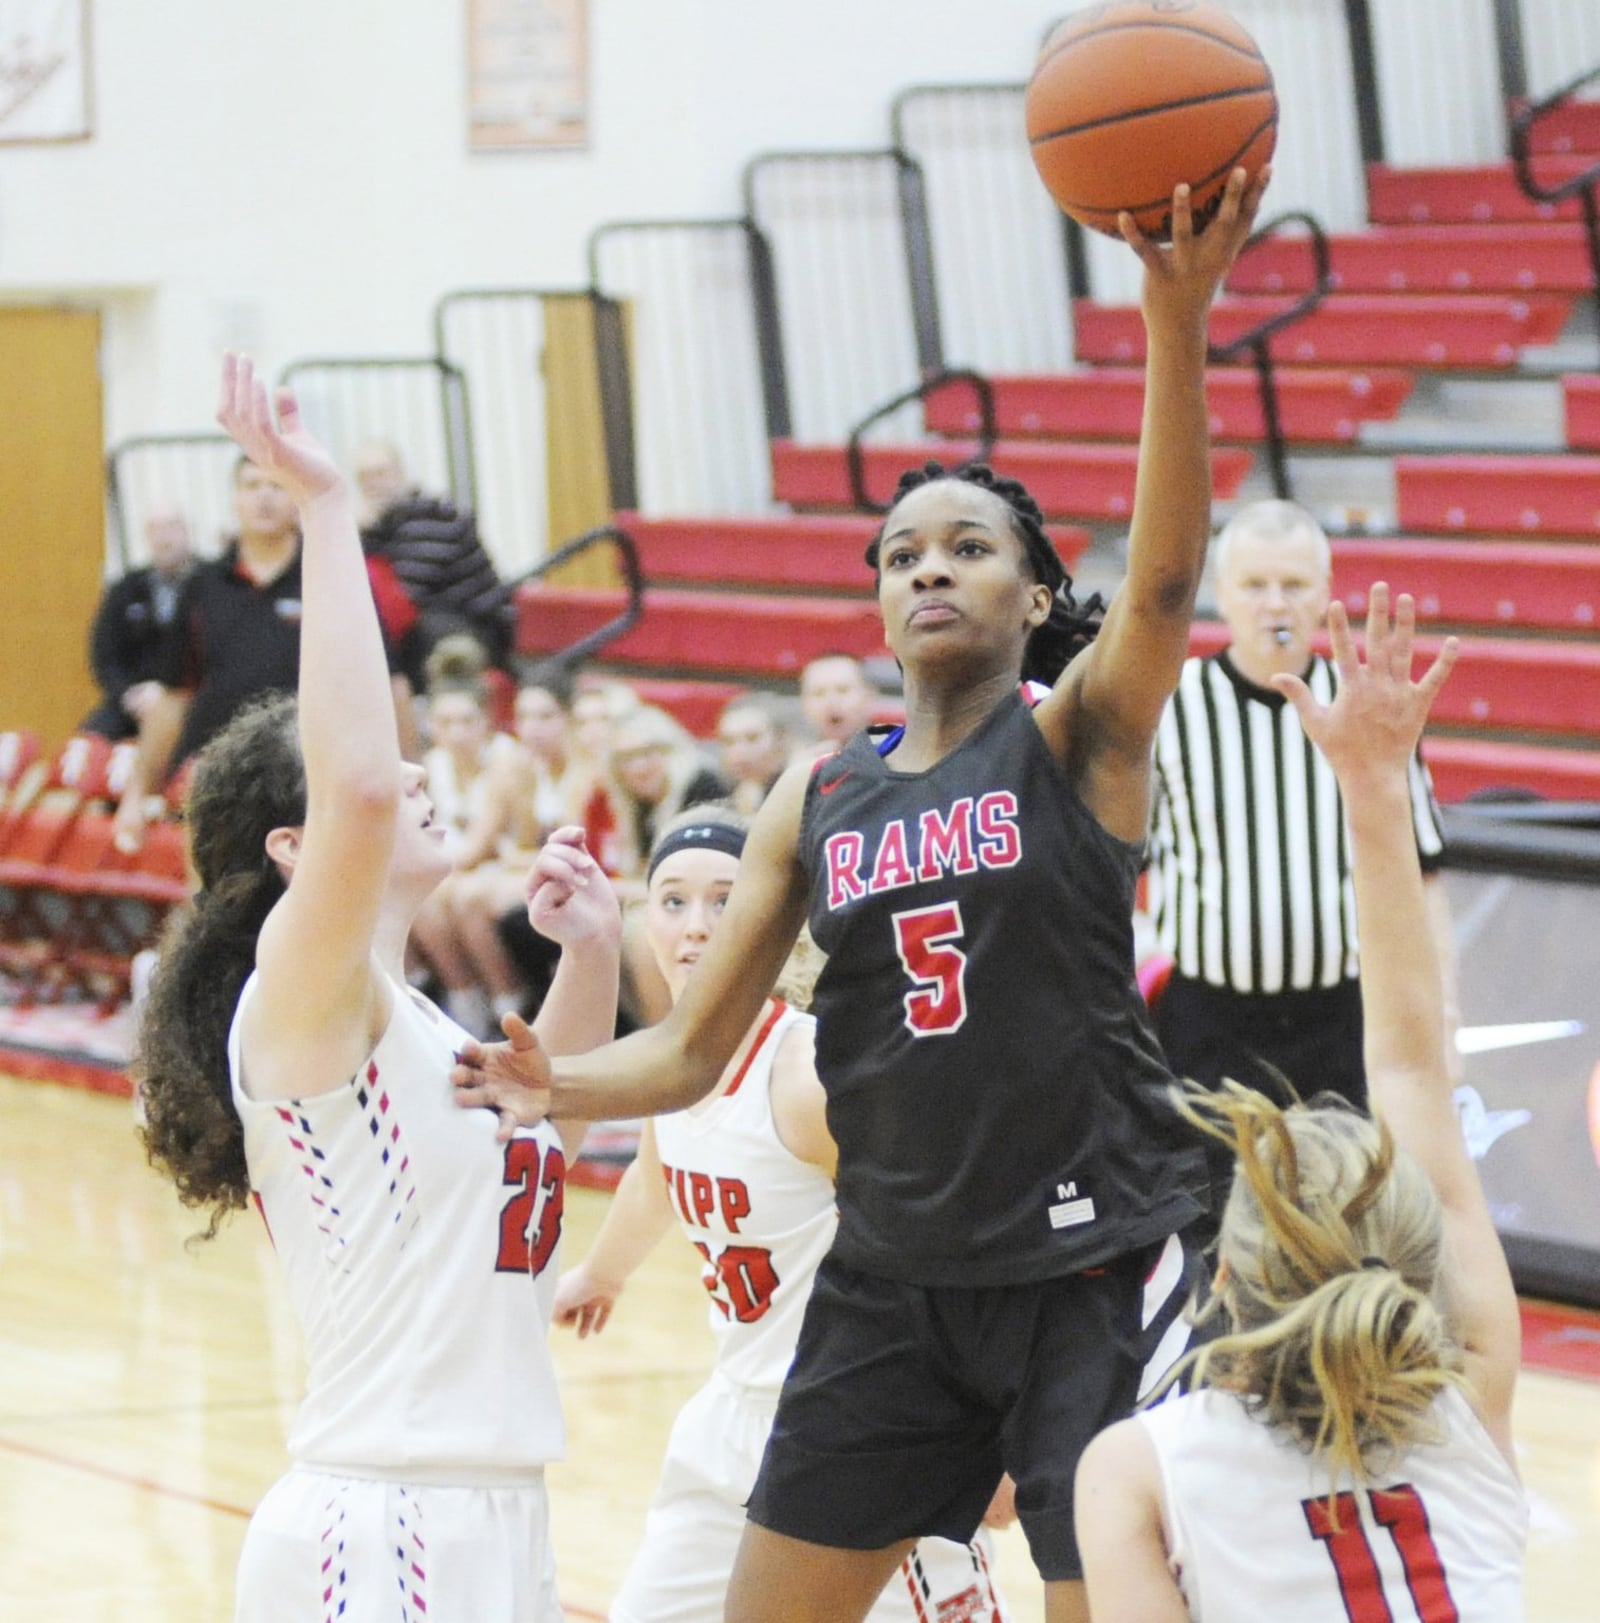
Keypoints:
pixel 527 74
pixel 44 70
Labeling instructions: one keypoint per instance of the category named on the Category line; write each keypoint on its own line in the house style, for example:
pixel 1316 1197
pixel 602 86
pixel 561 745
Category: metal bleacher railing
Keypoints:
pixel 189 473
pixel 417 401
pixel 696 378
pixel 940 378
pixel 1584 185
pixel 1256 342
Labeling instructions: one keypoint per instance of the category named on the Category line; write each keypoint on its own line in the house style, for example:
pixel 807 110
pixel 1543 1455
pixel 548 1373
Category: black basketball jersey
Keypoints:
pixel 999 1101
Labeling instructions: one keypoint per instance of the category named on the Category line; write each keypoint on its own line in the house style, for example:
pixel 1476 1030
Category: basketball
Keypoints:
pixel 1133 97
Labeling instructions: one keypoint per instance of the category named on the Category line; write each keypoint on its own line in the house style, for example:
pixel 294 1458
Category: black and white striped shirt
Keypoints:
pixel 1250 882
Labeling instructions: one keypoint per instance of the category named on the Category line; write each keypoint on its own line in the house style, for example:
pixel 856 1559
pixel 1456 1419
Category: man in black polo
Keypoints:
pixel 136 622
pixel 238 635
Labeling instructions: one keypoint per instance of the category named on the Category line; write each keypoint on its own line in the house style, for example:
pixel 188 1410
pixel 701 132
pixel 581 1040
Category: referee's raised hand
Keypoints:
pixel 1371 728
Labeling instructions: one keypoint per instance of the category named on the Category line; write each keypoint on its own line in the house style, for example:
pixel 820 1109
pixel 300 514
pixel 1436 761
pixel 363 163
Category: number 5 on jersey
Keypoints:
pixel 925 938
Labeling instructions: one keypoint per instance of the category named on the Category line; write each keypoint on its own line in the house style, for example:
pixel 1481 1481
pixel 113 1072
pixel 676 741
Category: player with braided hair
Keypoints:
pixel 1071 626
pixel 1012 1173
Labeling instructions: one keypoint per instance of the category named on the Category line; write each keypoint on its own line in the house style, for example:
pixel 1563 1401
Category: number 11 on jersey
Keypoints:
pixel 1400 1511
pixel 925 938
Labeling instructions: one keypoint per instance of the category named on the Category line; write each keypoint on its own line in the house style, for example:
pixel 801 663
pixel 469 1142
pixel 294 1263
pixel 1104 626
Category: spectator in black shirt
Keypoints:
pixel 434 549
pixel 134 626
pixel 238 635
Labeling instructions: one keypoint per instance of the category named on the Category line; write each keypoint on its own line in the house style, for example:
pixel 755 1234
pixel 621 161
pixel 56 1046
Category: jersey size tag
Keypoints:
pixel 1071 1210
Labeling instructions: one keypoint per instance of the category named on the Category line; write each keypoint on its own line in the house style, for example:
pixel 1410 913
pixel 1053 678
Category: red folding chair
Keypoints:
pixel 119 902
pixel 40 831
pixel 19 782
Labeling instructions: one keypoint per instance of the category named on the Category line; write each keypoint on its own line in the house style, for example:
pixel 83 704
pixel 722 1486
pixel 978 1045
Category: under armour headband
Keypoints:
pixel 698 837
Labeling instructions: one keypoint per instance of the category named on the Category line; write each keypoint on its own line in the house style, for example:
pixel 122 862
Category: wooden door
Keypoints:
pixel 575 442
pixel 52 515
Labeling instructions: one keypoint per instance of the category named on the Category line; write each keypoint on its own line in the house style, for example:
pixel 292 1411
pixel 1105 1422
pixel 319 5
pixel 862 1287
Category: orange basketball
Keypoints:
pixel 1132 97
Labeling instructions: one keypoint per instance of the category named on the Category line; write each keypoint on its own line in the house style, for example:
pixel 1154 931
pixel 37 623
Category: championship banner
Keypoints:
pixel 44 70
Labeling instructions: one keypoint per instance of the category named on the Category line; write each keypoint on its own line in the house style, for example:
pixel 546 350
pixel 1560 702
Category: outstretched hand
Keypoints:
pixel 1181 278
pixel 1372 727
pixel 510 1078
pixel 279 445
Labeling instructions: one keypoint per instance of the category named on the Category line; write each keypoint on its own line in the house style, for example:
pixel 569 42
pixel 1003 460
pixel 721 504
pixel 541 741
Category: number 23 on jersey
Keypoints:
pixel 530 1221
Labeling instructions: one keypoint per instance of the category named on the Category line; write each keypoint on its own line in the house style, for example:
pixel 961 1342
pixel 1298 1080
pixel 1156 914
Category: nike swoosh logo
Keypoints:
pixel 828 788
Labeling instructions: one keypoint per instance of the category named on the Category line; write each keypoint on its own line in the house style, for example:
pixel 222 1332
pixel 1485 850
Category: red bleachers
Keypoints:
pixel 1470 766
pixel 1545 586
pixel 1068 481
pixel 1494 495
pixel 699 630
pixel 1351 329
pixel 805 552
pixel 1581 399
pixel 1498 683
pixel 1320 407
pixel 1473 196
pixel 1427 259
pixel 1574 126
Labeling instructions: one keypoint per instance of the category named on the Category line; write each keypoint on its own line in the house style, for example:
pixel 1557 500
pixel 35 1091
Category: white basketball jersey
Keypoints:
pixel 1438 1539
pixel 408 1237
pixel 761 1218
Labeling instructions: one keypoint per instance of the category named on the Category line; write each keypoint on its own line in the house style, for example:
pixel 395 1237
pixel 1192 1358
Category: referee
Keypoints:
pixel 1250 882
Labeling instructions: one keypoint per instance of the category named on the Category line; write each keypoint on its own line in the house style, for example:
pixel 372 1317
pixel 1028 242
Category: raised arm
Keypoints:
pixel 1368 735
pixel 1104 712
pixel 320 1001
pixel 671 1065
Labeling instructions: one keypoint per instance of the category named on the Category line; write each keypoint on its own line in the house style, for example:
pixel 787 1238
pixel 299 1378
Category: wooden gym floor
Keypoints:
pixel 144 1390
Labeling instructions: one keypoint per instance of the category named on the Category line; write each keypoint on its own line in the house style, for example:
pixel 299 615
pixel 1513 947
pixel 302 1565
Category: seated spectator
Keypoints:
pixel 658 769
pixel 463 761
pixel 136 621
pixel 531 787
pixel 547 781
pixel 464 747
pixel 598 708
pixel 837 701
pixel 434 549
pixel 754 744
pixel 237 636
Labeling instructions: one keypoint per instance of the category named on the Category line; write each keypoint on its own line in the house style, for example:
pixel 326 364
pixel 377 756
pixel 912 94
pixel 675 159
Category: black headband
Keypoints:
pixel 697 837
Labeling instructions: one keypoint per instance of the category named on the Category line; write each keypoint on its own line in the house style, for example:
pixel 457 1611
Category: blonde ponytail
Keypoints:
pixel 1329 1266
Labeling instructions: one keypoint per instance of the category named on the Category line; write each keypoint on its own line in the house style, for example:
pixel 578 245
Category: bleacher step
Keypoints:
pixel 1498 682
pixel 1472 766
pixel 790 552
pixel 1481 331
pixel 1531 585
pixel 1580 398
pixel 1519 258
pixel 1068 481
pixel 1322 406
pixel 1476 195
pixel 1510 494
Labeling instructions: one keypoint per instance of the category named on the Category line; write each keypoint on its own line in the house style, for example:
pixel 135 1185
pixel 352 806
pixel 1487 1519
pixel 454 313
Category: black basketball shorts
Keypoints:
pixel 905 1402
